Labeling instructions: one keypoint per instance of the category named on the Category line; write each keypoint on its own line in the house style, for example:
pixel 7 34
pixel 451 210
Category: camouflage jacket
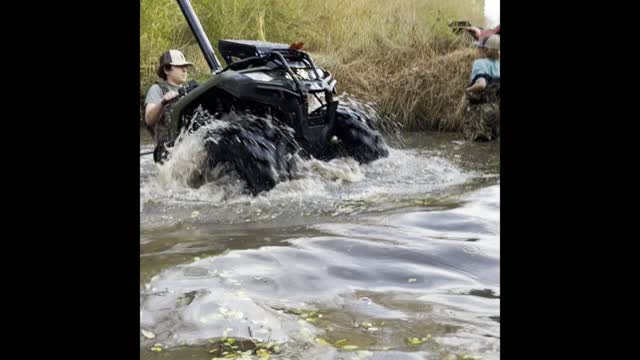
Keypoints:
pixel 482 114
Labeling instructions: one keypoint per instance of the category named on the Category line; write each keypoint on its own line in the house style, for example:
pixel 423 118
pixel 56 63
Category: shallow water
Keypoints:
pixel 345 261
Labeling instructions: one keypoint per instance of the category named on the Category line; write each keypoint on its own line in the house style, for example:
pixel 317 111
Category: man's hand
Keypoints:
pixel 168 96
pixel 479 85
pixel 153 111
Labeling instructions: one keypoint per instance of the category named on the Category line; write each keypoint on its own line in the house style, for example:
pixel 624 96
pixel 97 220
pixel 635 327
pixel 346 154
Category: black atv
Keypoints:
pixel 276 104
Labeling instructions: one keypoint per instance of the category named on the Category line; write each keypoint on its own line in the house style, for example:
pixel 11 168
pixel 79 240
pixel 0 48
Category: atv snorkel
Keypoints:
pixel 200 36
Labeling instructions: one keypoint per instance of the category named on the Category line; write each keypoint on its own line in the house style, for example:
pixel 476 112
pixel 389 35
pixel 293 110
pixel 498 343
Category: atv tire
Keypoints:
pixel 261 154
pixel 357 136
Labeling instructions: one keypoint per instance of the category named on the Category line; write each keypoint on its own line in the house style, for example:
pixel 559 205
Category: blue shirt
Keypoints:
pixel 487 68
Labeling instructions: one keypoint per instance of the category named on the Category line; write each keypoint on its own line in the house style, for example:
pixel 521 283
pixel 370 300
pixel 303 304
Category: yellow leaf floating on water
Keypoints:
pixel 195 214
pixel 148 334
pixel 263 354
pixel 412 280
pixel 349 347
pixel 341 342
pixel 156 349
pixel 414 341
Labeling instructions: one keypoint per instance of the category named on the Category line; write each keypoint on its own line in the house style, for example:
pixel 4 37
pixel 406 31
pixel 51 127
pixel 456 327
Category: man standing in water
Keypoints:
pixel 481 118
pixel 173 70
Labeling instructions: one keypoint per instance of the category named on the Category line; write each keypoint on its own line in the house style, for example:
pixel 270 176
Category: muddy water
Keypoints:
pixel 397 259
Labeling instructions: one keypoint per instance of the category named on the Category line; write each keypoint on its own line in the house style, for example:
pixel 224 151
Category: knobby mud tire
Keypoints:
pixel 358 137
pixel 261 154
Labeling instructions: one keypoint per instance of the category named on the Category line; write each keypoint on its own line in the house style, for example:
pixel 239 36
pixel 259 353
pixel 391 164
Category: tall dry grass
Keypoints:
pixel 400 54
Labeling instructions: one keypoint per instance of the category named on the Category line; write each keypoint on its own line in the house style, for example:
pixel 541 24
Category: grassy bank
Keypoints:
pixel 400 54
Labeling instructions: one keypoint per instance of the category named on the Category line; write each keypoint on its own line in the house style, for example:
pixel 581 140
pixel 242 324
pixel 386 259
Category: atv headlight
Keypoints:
pixel 259 76
pixel 316 100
